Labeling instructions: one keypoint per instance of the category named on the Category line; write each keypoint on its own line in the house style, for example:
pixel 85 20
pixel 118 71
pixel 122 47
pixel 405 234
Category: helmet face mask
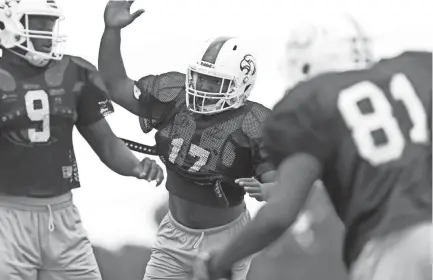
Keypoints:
pixel 208 92
pixel 31 30
pixel 221 78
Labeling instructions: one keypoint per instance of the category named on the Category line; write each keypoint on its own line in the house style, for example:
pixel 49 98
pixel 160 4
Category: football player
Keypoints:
pixel 364 131
pixel 208 135
pixel 44 94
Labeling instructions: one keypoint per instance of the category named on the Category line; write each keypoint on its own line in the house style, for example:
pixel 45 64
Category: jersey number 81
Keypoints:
pixel 363 125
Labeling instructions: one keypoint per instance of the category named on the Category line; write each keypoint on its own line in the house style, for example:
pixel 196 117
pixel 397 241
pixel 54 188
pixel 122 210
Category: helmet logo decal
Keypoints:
pixel 206 64
pixel 9 3
pixel 248 65
pixel 52 3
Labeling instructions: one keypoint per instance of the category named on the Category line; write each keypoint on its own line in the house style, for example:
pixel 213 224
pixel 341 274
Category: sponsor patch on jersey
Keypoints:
pixel 58 100
pixel 67 172
pixel 104 107
pixel 8 97
pixel 31 86
pixel 56 91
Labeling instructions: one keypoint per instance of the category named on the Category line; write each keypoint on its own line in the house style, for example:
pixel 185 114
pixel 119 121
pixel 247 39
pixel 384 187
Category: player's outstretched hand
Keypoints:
pixel 254 188
pixel 149 170
pixel 117 14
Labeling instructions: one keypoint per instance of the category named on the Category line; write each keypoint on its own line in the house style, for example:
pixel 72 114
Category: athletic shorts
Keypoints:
pixel 177 246
pixel 403 255
pixel 44 239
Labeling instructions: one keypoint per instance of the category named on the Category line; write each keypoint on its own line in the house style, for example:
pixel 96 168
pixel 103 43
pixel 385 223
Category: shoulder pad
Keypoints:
pixel 55 74
pixel 7 81
pixel 254 120
pixel 83 63
pixel 93 74
pixel 301 92
pixel 318 93
pixel 165 87
pixel 260 112
pixel 315 99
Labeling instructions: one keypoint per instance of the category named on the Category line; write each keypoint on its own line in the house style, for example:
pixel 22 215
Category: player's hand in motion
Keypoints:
pixel 149 170
pixel 199 268
pixel 118 14
pixel 202 269
pixel 254 188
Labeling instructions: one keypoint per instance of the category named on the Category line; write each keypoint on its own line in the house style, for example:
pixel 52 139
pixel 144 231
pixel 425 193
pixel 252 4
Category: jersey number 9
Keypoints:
pixel 38 110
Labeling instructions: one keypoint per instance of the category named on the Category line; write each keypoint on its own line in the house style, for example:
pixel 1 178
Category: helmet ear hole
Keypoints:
pixel 2 25
pixel 306 68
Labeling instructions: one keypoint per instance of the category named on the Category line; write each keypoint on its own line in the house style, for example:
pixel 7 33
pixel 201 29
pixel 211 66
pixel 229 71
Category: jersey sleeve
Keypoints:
pixel 302 122
pixel 158 96
pixel 252 127
pixel 94 102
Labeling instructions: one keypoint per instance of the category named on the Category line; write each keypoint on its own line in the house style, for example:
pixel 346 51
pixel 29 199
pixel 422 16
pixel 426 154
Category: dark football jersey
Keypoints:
pixel 371 130
pixel 38 110
pixel 203 154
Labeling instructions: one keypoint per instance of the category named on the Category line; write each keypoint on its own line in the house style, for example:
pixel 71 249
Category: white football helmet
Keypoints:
pixel 325 44
pixel 15 34
pixel 232 63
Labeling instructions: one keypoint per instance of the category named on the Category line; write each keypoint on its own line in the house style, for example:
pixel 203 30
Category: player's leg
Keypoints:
pixel 172 252
pixel 68 254
pixel 213 238
pixel 19 248
pixel 398 256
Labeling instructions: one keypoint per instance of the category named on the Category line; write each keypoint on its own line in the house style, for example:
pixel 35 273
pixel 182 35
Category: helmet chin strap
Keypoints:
pixel 36 60
pixel 213 108
pixel 33 59
pixel 220 106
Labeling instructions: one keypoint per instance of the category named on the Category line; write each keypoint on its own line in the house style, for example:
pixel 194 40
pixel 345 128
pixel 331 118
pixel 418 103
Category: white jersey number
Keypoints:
pixel 194 150
pixel 363 125
pixel 38 110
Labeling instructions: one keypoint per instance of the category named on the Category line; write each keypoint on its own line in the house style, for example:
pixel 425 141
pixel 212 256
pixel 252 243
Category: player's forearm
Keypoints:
pixel 268 177
pixel 118 157
pixel 110 62
pixel 264 229
pixel 290 192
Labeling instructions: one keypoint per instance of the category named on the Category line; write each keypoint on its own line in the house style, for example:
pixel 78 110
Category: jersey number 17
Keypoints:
pixel 363 125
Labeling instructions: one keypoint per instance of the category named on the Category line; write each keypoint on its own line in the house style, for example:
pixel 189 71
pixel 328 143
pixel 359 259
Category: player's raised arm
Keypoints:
pixel 117 16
